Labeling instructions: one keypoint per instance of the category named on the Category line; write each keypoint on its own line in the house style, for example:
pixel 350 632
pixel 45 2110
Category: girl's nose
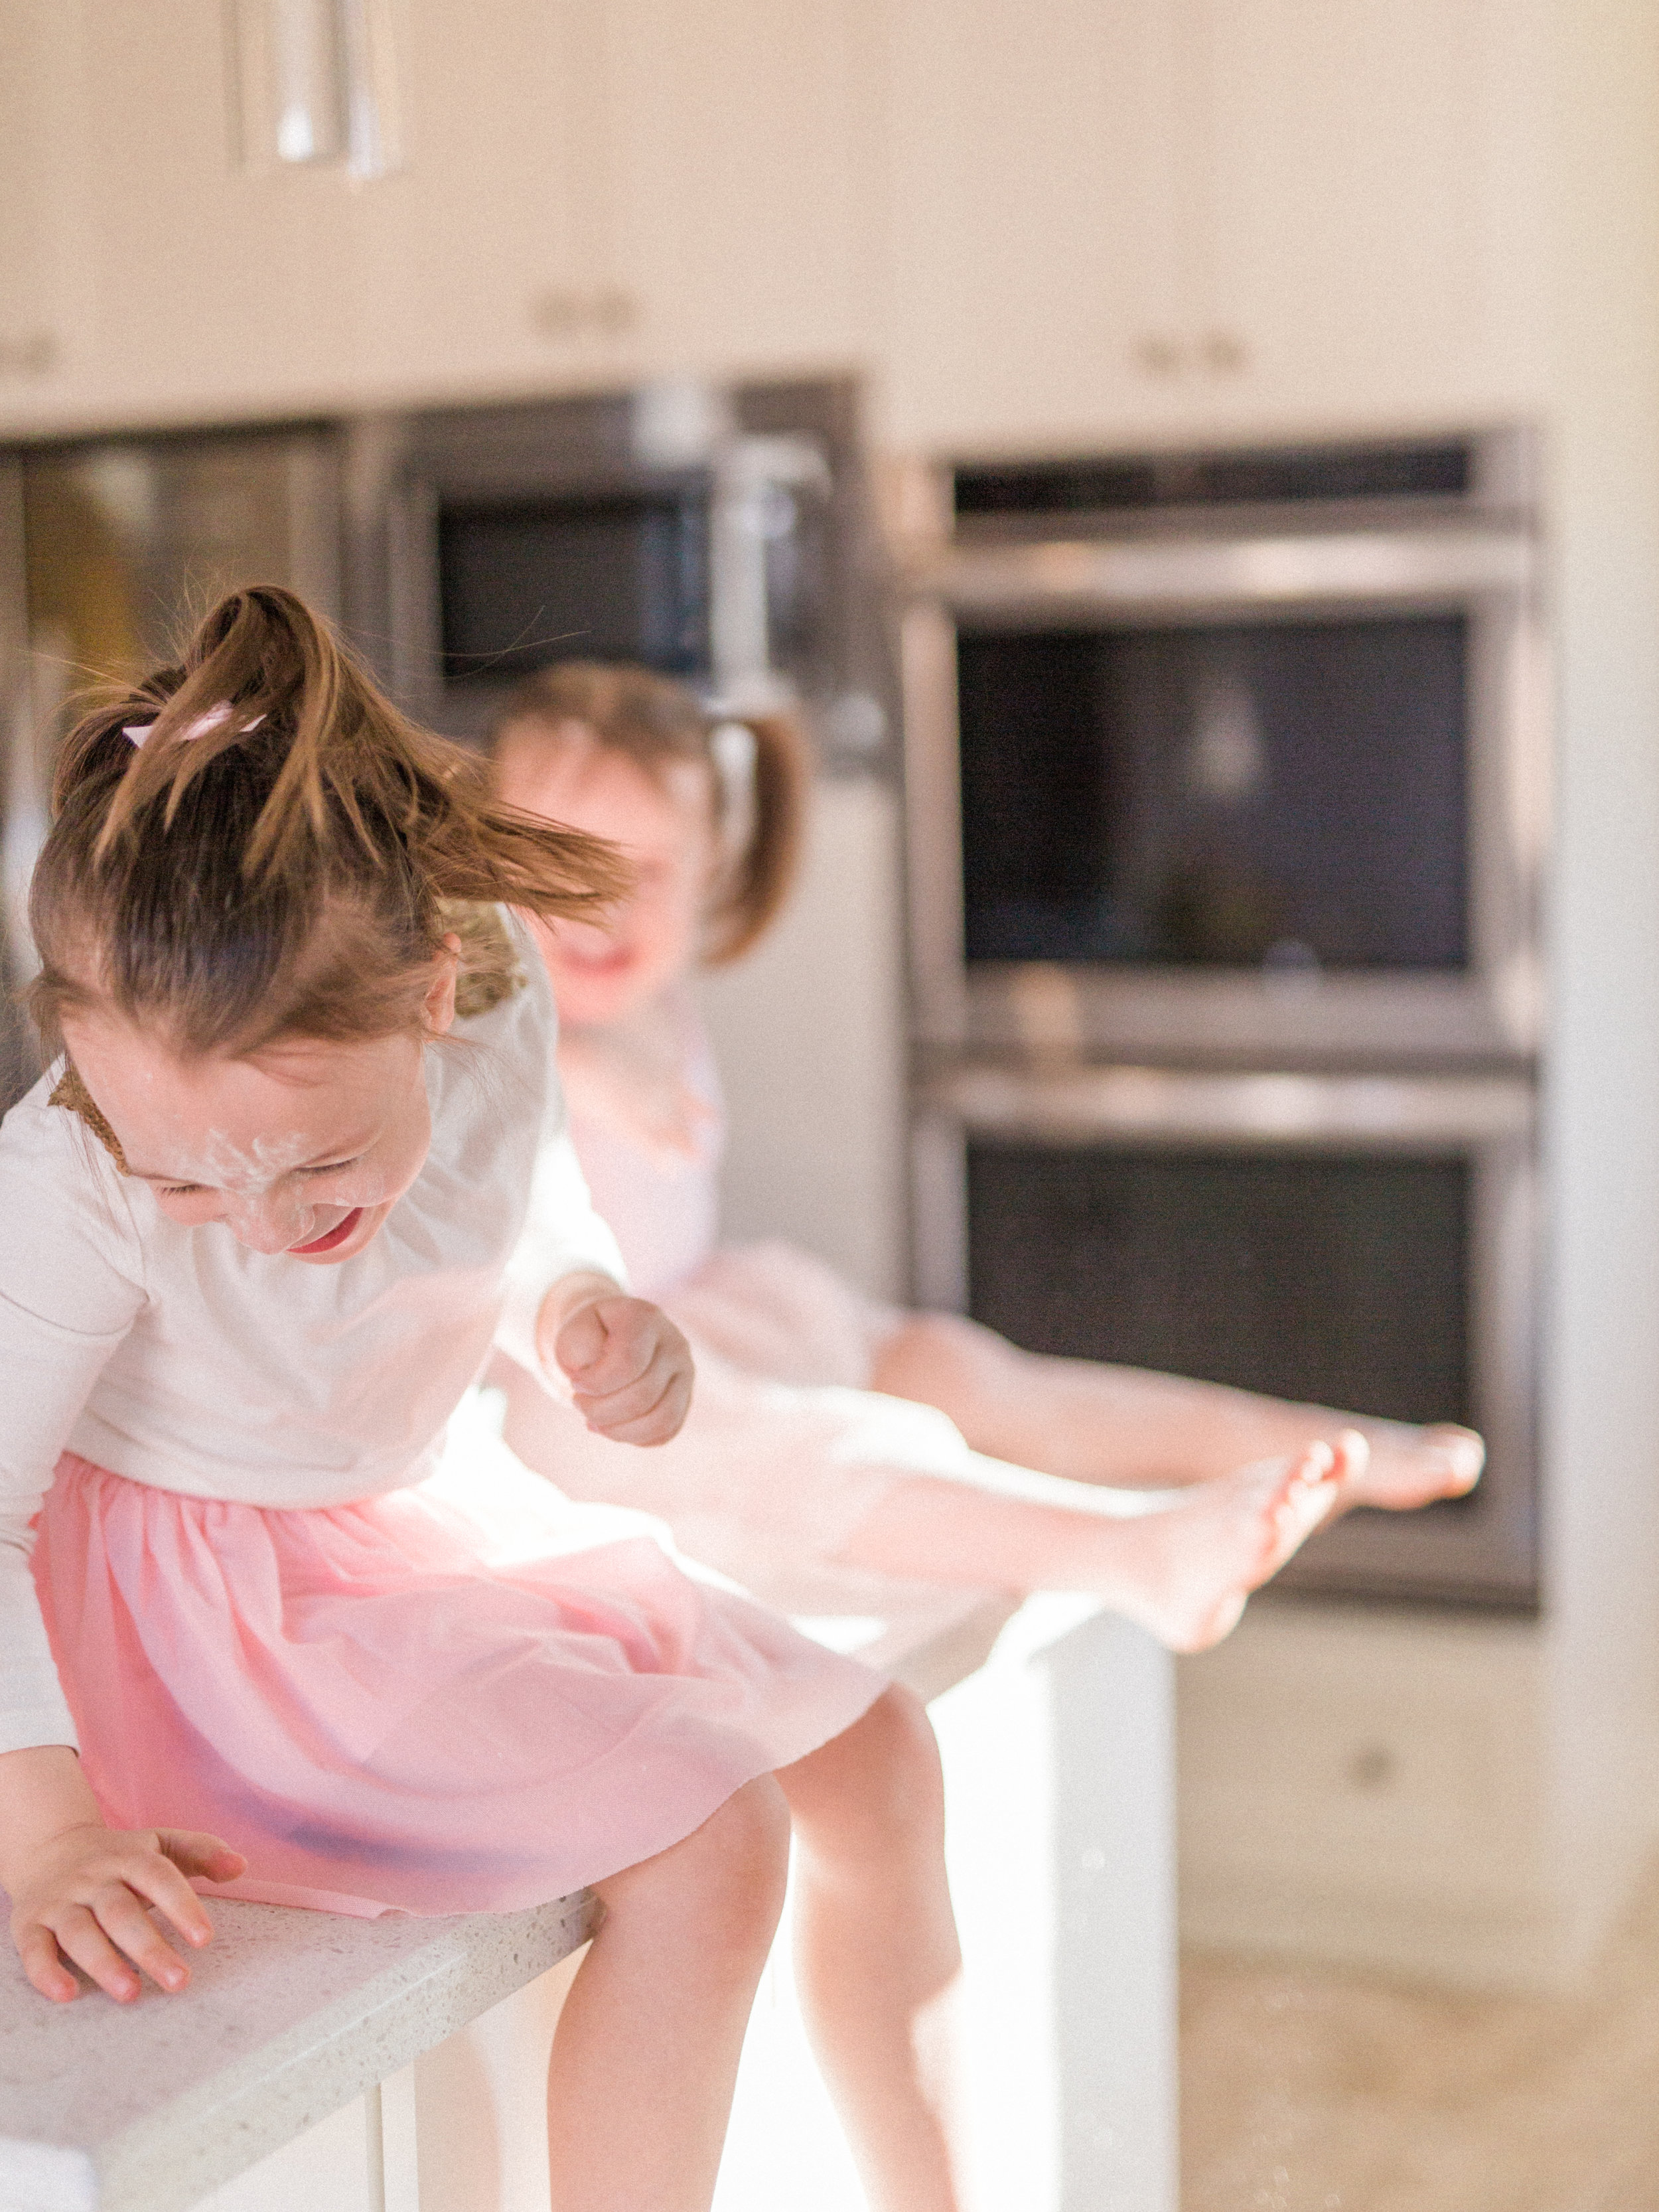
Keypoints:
pixel 271 1222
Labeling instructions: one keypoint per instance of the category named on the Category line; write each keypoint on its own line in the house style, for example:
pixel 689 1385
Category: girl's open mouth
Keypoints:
pixel 329 1238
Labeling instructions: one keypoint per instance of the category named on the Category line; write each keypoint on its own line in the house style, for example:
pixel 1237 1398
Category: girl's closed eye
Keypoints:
pixel 190 1189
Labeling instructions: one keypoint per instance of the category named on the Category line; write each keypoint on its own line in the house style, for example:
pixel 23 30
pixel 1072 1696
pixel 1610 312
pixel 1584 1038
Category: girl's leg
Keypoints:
pixel 1184 1571
pixel 645 2054
pixel 877 1961
pixel 1127 1427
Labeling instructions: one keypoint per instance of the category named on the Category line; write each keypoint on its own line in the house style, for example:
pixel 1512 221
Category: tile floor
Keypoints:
pixel 1304 2092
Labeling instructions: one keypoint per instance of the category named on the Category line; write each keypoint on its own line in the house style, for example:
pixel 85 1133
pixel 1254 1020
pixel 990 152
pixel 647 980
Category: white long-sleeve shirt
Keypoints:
pixel 181 1357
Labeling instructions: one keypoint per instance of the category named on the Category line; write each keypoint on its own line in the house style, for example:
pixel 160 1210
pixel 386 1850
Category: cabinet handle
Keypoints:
pixel 1159 356
pixel 555 314
pixel 34 356
pixel 1225 353
pixel 616 313
pixel 563 316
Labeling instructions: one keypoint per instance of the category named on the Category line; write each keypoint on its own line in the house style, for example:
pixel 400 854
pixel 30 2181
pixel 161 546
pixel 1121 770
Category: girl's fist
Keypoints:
pixel 630 1368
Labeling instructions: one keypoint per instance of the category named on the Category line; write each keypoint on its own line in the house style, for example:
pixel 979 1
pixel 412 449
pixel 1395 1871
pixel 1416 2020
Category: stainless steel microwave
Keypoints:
pixel 489 541
pixel 1259 778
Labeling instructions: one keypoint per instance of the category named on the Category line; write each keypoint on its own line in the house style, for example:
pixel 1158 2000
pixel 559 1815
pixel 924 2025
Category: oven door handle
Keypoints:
pixel 1202 572
pixel 1170 1107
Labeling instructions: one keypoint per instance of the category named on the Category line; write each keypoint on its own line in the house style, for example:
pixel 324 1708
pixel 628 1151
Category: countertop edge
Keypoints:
pixel 218 2128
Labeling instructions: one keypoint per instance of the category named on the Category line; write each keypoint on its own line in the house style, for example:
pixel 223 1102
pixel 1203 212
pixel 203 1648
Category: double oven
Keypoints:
pixel 1227 796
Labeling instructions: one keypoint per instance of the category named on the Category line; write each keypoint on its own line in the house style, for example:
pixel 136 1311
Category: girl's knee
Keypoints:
pixel 930 1354
pixel 909 1751
pixel 723 1885
pixel 878 1787
pixel 743 1855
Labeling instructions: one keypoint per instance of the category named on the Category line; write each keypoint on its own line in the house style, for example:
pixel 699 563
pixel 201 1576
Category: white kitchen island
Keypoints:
pixel 320 2064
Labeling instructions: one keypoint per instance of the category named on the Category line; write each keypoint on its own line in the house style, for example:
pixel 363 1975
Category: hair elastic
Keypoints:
pixel 214 718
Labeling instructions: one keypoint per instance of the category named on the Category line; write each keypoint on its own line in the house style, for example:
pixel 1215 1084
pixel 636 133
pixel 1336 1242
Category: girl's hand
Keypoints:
pixel 629 1367
pixel 81 1897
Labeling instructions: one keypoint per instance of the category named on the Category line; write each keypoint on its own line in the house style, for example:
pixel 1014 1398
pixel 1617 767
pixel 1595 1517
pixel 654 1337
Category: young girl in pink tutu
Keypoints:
pixel 978 1464
pixel 298 1162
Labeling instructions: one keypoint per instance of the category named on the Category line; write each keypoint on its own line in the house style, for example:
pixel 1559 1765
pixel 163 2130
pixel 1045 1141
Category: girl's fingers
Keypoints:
pixel 659 1423
pixel 620 1361
pixel 581 1341
pixel 610 1409
pixel 195 1853
pixel 37 1947
pixel 185 1852
pixel 613 1409
pixel 80 1938
pixel 156 1878
pixel 127 1924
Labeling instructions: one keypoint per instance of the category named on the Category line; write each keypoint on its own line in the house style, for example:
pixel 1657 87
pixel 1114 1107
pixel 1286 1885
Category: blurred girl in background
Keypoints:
pixel 836 1445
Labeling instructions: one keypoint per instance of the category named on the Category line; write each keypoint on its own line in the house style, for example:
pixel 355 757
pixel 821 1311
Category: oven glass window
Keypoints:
pixel 1292 794
pixel 1336 1278
pixel 524 582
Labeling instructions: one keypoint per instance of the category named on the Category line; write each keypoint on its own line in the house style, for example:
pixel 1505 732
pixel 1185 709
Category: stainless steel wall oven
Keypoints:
pixel 1250 756
pixel 1227 818
pixel 1362 1241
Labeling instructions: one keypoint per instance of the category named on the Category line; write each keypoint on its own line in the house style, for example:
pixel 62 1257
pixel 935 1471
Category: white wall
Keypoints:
pixel 1602 1373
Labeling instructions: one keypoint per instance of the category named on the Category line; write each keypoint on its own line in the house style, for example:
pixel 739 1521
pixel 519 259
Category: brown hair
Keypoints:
pixel 654 720
pixel 280 855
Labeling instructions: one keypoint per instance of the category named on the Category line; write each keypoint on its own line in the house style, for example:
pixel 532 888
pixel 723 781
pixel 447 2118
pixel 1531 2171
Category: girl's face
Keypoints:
pixel 303 1150
pixel 664 824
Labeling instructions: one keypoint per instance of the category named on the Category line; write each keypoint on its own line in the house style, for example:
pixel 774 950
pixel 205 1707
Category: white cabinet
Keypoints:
pixel 593 191
pixel 1177 217
pixel 1035 244
pixel 164 281
pixel 746 198
pixel 599 190
pixel 39 295
pixel 1370 241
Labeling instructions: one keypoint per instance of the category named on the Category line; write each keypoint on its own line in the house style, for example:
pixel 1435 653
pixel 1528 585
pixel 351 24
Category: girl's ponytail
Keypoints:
pixel 768 821
pixel 258 843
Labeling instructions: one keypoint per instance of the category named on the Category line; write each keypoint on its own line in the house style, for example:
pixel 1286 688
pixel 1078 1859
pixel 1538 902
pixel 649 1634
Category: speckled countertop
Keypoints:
pixel 290 2014
pixel 145 2107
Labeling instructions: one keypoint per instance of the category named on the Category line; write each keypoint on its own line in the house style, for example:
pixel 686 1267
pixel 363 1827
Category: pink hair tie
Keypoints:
pixel 215 719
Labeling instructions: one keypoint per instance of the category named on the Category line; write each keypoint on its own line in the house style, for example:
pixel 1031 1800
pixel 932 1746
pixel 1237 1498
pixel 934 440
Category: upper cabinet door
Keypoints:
pixel 743 190
pixel 1370 238
pixel 486 261
pixel 1193 218
pixel 43 294
pixel 1039 219
pixel 170 282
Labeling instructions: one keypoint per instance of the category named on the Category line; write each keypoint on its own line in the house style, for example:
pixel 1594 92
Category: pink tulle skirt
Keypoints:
pixel 427 1701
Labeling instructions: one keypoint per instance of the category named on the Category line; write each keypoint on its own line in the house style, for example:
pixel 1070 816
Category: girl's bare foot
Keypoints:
pixel 1201 1559
pixel 1410 1467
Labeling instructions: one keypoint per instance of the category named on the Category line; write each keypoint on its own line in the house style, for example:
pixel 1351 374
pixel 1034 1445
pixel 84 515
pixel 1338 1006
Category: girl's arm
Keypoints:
pixel 570 1321
pixel 71 1283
